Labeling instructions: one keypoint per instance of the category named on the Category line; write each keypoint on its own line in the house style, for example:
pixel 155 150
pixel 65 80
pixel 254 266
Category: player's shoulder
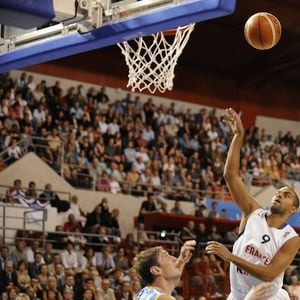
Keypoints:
pixel 292 243
pixel 257 212
pixel 164 297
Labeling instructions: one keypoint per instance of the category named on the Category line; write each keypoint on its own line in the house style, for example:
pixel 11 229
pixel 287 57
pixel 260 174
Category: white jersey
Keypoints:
pixel 258 243
pixel 150 293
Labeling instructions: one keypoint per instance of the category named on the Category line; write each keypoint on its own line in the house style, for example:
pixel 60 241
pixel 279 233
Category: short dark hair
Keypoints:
pixel 144 261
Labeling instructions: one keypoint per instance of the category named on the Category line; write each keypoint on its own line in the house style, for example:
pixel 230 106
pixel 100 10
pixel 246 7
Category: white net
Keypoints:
pixel 151 60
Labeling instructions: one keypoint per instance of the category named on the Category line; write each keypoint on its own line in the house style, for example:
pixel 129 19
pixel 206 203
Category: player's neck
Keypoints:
pixel 166 285
pixel 275 220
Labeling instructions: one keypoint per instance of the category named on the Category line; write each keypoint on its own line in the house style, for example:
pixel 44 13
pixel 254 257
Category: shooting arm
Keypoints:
pixel 231 170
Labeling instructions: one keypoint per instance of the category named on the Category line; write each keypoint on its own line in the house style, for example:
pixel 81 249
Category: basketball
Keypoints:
pixel 262 31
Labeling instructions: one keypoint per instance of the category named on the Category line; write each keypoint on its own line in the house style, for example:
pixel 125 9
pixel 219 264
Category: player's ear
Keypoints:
pixel 293 210
pixel 155 270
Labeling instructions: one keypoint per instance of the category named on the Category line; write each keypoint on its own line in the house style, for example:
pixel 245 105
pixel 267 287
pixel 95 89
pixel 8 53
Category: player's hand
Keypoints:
pixel 218 249
pixel 186 252
pixel 264 290
pixel 232 119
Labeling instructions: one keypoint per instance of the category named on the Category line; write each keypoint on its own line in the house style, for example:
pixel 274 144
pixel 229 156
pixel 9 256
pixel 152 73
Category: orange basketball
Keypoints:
pixel 262 31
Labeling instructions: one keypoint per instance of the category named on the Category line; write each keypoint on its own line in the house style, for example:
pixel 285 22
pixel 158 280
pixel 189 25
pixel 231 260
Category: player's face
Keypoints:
pixel 283 201
pixel 167 265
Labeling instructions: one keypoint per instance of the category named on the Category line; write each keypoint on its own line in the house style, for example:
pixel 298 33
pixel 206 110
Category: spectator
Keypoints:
pixel 71 224
pixel 8 275
pixel 43 275
pixel 48 253
pixel 23 277
pixel 60 276
pixel 31 191
pixel 121 261
pixel 114 226
pixel 214 235
pixel 115 187
pixel 33 267
pixel 188 232
pixel 71 286
pixel 163 207
pixel 201 211
pixel 79 214
pixel 124 292
pixel 94 220
pixel 58 238
pixel 14 151
pixel 101 239
pixel 147 207
pixel 294 288
pixel 77 239
pixel 105 213
pixel 88 259
pixel 30 251
pixel 104 261
pixel 15 192
pixel 201 233
pixel 52 289
pixel 223 214
pixel 213 212
pixel 105 292
pixel 232 235
pixel 69 257
pixel 53 198
pixel 18 253
pixel 5 255
pixel 177 209
pixel 55 261
pixel 140 236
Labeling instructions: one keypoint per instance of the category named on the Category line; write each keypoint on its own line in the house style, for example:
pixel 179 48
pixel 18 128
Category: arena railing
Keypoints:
pixel 10 234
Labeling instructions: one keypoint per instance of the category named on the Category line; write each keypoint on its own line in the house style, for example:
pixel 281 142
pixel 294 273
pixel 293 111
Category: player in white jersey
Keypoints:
pixel 266 245
pixel 161 271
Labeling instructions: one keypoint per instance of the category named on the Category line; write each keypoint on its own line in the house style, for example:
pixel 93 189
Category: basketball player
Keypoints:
pixel 161 271
pixel 266 245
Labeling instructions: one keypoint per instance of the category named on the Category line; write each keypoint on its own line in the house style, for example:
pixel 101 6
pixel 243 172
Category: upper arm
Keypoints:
pixel 240 195
pixel 283 258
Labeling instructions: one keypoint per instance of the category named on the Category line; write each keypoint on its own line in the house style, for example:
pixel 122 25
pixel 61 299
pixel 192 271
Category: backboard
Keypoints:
pixel 104 24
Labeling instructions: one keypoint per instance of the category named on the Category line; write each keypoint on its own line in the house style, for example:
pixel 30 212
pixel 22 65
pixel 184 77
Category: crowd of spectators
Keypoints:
pixel 117 146
pixel 84 258
pixel 124 145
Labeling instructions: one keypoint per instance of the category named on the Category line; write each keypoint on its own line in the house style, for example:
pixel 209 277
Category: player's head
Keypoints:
pixel 285 201
pixel 156 262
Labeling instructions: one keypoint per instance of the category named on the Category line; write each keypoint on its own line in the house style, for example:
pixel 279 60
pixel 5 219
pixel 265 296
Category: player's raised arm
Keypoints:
pixel 186 253
pixel 231 170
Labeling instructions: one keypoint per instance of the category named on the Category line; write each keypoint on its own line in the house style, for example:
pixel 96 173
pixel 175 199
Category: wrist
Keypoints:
pixel 230 257
pixel 239 132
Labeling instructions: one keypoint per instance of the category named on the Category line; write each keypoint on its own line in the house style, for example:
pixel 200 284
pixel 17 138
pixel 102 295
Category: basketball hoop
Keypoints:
pixel 152 59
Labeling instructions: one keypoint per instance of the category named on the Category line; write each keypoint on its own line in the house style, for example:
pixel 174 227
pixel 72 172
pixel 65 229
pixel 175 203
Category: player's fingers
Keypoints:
pixel 189 248
pixel 231 112
pixel 211 248
pixel 213 243
pixel 190 243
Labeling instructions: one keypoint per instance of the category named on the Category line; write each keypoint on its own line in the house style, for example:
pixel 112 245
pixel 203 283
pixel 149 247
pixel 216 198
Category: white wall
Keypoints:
pixel 273 125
